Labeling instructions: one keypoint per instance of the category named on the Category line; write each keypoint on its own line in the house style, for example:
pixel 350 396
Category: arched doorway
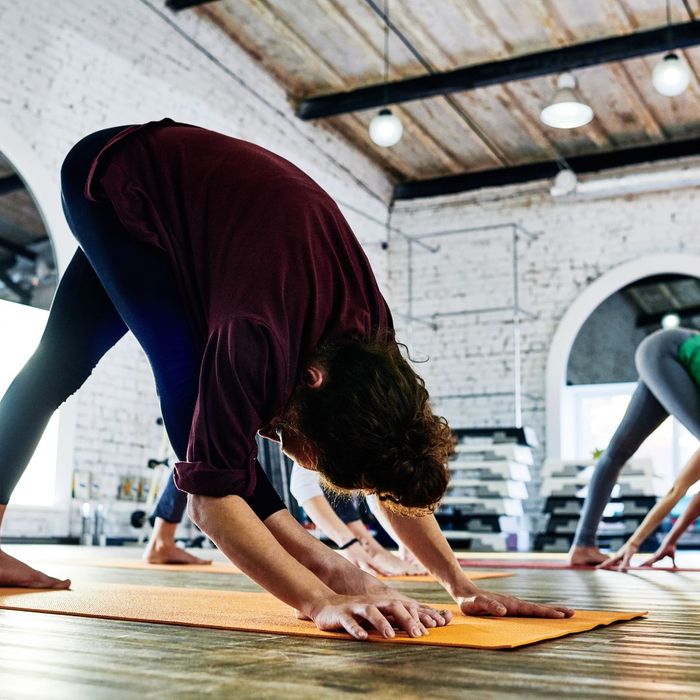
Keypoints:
pixel 41 246
pixel 28 278
pixel 579 312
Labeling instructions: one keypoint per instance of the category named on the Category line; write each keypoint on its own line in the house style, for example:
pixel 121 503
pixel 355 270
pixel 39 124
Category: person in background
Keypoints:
pixel 689 475
pixel 338 517
pixel 668 362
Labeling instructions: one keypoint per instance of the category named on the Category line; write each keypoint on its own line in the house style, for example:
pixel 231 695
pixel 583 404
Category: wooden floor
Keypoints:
pixel 52 656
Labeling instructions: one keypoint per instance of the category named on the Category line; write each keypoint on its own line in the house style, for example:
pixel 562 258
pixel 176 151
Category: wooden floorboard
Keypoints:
pixel 50 656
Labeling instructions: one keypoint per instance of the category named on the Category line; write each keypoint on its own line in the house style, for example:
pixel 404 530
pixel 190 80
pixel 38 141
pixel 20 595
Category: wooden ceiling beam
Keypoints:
pixel 351 128
pixel 489 33
pixel 533 65
pixel 416 129
pixel 518 174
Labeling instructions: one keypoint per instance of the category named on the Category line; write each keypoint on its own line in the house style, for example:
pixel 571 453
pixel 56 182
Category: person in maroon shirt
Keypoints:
pixel 259 312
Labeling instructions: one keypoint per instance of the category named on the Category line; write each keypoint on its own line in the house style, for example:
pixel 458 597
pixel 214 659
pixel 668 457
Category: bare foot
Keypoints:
pixel 157 553
pixel 13 572
pixel 586 556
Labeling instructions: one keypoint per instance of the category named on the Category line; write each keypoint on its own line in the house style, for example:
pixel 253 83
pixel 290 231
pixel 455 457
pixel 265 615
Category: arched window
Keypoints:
pixel 27 284
pixel 591 373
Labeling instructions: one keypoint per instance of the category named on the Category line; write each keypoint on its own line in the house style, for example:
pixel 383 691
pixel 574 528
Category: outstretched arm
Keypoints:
pixel 325 518
pixel 667 548
pixel 295 573
pixel 425 539
pixel 366 552
pixel 685 479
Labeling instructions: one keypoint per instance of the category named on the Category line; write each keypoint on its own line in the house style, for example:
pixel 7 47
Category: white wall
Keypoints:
pixel 575 244
pixel 74 67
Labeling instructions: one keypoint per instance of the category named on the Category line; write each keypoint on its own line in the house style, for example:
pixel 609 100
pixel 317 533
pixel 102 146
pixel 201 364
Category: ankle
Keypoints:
pixel 160 544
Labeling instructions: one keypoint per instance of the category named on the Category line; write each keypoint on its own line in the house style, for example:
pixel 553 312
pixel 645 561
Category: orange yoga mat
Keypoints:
pixel 260 612
pixel 222 567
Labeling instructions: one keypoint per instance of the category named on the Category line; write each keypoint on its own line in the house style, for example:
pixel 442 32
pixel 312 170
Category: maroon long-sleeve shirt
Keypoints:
pixel 268 269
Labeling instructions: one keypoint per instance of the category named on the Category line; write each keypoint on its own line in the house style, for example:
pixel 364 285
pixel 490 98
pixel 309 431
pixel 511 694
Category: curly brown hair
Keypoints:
pixel 371 428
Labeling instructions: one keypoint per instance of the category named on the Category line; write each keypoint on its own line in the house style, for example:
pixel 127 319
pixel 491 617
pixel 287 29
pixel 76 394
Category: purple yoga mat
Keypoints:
pixel 549 564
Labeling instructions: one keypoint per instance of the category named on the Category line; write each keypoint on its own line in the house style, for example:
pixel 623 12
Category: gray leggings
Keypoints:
pixel 665 388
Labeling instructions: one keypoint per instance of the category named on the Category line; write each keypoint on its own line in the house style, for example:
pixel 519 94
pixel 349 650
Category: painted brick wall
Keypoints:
pixel 73 67
pixel 574 243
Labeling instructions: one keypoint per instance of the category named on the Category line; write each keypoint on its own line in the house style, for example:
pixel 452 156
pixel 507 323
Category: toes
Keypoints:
pixel 48 582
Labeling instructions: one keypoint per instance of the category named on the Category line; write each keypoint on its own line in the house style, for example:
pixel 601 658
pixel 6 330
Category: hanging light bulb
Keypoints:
pixel 564 183
pixel 671 321
pixel 385 129
pixel 671 75
pixel 566 109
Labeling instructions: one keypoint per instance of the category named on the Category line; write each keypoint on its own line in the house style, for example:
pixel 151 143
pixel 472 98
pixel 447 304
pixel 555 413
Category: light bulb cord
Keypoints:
pixel 386 52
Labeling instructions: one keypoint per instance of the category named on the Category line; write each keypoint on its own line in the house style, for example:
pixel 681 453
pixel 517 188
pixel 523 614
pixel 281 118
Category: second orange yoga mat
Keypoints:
pixel 222 567
pixel 260 612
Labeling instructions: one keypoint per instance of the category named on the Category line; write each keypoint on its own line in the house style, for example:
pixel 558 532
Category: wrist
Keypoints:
pixel 461 587
pixel 670 540
pixel 312 605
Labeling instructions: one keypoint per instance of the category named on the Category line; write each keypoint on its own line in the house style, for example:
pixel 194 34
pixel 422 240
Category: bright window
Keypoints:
pixel 21 327
pixel 591 415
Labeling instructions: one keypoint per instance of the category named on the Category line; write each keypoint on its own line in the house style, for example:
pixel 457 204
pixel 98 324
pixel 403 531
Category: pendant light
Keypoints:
pixel 564 183
pixel 671 75
pixel 671 320
pixel 386 129
pixel 566 110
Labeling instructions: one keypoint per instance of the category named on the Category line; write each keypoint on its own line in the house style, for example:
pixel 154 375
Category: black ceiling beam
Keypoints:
pixel 590 53
pixel 18 249
pixel 10 183
pixel 464 182
pixel 684 314
pixel 178 5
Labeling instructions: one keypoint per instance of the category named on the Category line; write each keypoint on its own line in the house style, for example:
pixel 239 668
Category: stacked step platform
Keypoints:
pixel 564 488
pixel 483 508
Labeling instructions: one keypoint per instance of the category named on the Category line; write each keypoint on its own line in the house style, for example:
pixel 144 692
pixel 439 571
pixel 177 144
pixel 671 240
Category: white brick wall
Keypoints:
pixel 73 67
pixel 575 243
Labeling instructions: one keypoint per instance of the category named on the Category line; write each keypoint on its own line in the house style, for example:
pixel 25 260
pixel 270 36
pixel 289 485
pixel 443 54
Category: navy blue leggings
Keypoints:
pixel 114 284
pixel 133 271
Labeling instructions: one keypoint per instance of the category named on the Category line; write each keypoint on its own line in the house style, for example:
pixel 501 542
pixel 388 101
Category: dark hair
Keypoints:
pixel 371 427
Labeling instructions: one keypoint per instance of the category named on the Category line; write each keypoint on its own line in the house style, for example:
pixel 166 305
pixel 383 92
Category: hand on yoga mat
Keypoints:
pixel 666 549
pixel 363 558
pixel 622 559
pixel 480 602
pixel 381 612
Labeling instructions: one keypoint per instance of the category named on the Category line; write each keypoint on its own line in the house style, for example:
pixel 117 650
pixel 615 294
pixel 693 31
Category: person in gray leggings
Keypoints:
pixel 665 389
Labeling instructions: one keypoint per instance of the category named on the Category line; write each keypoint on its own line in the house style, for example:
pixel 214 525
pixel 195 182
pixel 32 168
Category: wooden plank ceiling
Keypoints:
pixel 315 47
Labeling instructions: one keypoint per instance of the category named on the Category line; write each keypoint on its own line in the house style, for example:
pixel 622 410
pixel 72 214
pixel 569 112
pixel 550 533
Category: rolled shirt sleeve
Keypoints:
pixel 243 384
